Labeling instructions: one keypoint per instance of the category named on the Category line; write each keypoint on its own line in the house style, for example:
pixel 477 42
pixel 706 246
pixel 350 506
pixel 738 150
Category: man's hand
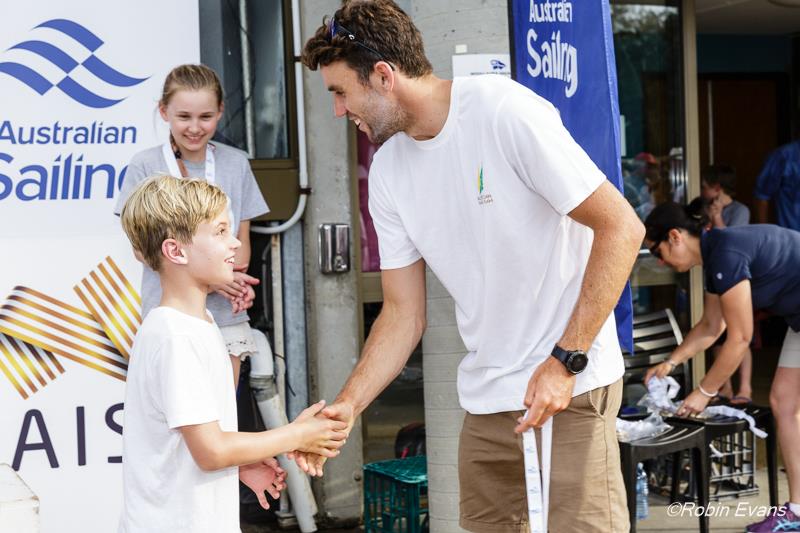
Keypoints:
pixel 264 476
pixel 549 392
pixel 343 412
pixel 311 463
pixel 694 404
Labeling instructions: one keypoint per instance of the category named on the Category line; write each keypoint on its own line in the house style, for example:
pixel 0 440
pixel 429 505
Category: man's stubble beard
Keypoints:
pixel 385 119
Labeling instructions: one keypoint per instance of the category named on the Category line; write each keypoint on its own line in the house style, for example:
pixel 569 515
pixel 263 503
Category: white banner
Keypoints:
pixel 80 81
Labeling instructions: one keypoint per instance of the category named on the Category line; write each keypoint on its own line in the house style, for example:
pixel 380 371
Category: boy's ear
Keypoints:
pixel 173 252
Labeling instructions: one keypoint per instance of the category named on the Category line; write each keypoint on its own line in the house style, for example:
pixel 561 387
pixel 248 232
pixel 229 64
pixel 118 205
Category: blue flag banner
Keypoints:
pixel 564 51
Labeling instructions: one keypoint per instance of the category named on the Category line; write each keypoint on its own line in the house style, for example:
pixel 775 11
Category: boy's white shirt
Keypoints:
pixel 179 375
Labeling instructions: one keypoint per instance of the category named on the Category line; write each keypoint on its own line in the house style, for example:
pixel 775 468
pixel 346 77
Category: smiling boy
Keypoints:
pixel 180 444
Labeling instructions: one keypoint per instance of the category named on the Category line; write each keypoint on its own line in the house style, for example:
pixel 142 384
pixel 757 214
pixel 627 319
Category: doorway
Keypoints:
pixel 742 117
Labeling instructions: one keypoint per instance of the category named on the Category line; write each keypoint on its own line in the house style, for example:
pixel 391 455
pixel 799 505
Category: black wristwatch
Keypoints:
pixel 574 360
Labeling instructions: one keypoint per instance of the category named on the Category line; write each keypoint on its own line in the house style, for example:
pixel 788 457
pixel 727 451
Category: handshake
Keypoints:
pixel 318 433
pixel 322 431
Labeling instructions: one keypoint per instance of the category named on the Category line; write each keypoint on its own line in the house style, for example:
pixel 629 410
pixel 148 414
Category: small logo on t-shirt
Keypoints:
pixel 483 197
pixel 719 275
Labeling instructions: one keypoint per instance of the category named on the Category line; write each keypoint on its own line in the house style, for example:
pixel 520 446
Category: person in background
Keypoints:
pixel 779 182
pixel 717 189
pixel 640 172
pixel 192 104
pixel 744 267
pixel 659 187
pixel 182 453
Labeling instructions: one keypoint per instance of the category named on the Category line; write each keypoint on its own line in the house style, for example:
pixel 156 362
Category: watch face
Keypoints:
pixel 577 362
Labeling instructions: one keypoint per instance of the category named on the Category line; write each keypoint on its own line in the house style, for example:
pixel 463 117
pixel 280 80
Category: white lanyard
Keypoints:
pixel 537 482
pixel 172 163
pixel 210 171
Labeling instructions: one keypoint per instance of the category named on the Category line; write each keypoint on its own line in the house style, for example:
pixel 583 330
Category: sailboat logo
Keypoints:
pixel 101 76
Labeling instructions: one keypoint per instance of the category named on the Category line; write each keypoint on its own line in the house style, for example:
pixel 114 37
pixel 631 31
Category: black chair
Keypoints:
pixel 672 442
pixel 655 336
pixel 721 427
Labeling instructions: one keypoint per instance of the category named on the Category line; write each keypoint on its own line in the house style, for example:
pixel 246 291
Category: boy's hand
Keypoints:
pixel 318 434
pixel 264 476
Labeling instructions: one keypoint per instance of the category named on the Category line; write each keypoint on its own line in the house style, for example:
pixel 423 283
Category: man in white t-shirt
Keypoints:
pixel 478 179
pixel 182 454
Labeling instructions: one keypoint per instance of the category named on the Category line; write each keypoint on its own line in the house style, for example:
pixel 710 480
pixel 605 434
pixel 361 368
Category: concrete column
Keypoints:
pixel 483 26
pixel 442 350
pixel 333 313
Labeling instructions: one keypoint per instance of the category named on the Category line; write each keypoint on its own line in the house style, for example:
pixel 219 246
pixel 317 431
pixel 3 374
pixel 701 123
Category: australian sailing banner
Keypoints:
pixel 80 81
pixel 564 51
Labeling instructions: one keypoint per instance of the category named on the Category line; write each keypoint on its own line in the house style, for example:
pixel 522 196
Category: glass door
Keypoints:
pixel 649 55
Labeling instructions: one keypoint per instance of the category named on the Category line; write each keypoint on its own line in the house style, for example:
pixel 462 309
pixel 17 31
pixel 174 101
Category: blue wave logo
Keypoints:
pixel 101 70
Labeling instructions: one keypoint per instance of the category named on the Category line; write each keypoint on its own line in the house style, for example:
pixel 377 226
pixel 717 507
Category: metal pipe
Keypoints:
pixel 277 302
pixel 247 81
pixel 294 312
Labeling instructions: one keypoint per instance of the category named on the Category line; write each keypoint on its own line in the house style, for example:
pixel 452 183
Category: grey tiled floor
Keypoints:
pixel 723 519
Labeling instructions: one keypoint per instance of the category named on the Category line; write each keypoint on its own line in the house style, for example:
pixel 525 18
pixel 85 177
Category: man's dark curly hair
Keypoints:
pixel 383 32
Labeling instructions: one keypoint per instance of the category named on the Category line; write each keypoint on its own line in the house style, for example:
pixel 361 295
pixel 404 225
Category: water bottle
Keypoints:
pixel 641 492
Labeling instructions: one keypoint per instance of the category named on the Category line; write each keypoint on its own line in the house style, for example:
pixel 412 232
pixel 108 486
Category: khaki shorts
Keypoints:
pixel 586 489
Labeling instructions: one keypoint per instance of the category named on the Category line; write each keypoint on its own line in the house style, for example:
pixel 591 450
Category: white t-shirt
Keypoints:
pixel 485 203
pixel 179 375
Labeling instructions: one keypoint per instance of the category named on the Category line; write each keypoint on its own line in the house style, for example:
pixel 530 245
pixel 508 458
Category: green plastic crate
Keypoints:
pixel 396 496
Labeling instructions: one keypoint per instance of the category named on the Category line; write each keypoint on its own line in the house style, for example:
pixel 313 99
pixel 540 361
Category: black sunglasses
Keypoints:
pixel 334 29
pixel 655 252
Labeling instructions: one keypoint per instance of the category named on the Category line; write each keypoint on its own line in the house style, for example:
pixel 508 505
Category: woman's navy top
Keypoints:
pixel 767 255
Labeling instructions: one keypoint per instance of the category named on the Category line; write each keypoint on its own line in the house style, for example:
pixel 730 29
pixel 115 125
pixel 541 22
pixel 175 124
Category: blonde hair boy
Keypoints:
pixel 166 207
pixel 181 447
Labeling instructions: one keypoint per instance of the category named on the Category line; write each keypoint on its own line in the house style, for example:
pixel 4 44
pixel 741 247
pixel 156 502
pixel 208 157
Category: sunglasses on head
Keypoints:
pixel 334 29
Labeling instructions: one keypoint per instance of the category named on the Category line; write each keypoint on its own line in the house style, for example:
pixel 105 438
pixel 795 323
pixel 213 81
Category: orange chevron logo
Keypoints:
pixel 37 330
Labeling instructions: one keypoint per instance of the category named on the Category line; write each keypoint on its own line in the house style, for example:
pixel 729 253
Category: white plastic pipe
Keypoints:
pixel 273 412
pixel 262 364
